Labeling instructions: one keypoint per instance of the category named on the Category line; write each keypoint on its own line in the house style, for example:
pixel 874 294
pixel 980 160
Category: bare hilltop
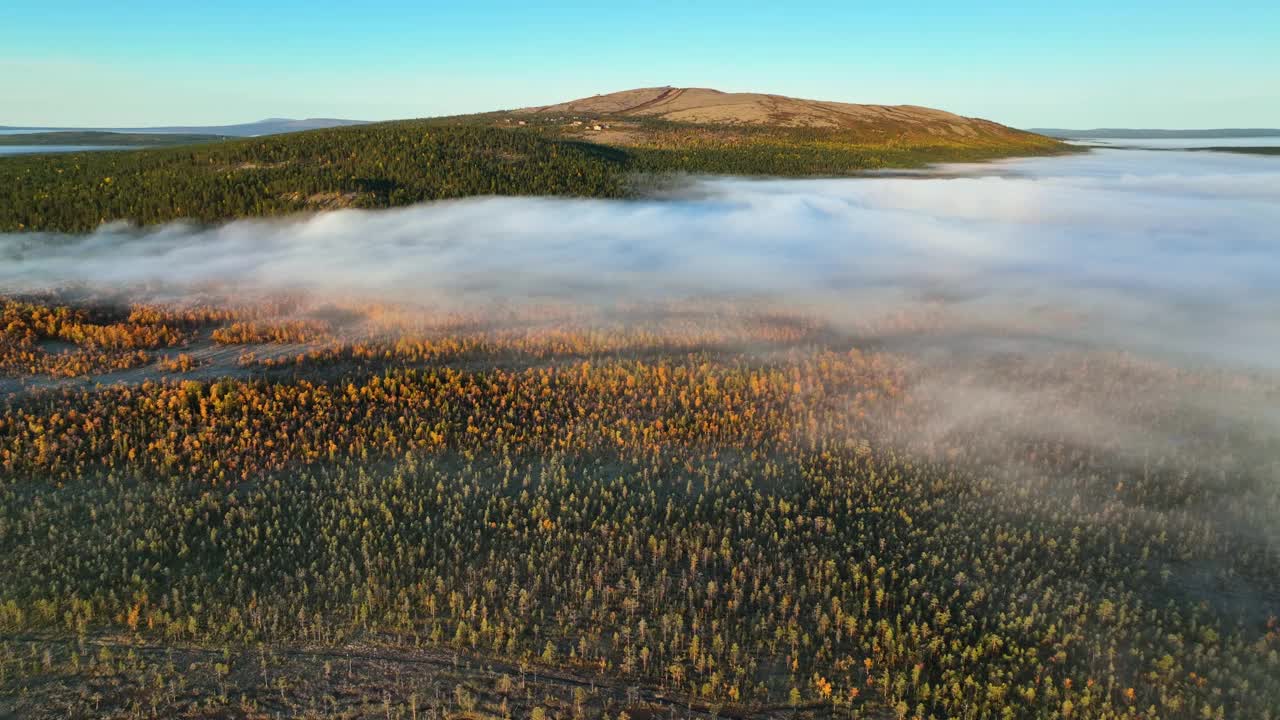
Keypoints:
pixel 706 106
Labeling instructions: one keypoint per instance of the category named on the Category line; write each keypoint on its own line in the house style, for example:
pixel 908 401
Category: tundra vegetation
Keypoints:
pixel 275 509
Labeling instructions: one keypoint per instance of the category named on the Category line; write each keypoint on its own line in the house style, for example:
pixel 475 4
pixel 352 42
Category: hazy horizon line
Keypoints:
pixel 162 125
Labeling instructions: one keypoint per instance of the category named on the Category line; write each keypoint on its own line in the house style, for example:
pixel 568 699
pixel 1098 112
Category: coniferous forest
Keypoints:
pixel 234 510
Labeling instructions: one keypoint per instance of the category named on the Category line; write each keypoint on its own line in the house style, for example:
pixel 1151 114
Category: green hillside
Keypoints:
pixel 404 162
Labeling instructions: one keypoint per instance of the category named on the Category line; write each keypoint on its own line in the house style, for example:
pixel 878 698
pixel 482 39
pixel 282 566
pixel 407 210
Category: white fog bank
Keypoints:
pixel 1165 251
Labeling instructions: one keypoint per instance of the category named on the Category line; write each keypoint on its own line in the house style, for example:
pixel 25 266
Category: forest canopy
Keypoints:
pixel 683 508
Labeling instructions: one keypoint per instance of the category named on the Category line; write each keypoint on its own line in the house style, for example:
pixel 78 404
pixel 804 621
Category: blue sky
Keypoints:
pixel 1028 64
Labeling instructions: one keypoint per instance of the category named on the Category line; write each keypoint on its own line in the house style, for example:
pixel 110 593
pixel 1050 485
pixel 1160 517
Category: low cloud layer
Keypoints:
pixel 1164 251
pixel 995 284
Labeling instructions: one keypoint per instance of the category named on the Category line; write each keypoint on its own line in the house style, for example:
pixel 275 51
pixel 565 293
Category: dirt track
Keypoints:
pixel 283 679
pixel 214 361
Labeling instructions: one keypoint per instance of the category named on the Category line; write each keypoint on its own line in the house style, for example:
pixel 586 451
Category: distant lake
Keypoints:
pixel 1182 143
pixel 34 149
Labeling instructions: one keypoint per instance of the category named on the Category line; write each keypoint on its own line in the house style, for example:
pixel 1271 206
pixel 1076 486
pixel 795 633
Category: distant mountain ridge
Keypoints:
pixel 1104 133
pixel 269 126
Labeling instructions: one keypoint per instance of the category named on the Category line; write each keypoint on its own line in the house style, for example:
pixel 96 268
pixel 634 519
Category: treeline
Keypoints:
pixel 799 159
pixel 663 146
